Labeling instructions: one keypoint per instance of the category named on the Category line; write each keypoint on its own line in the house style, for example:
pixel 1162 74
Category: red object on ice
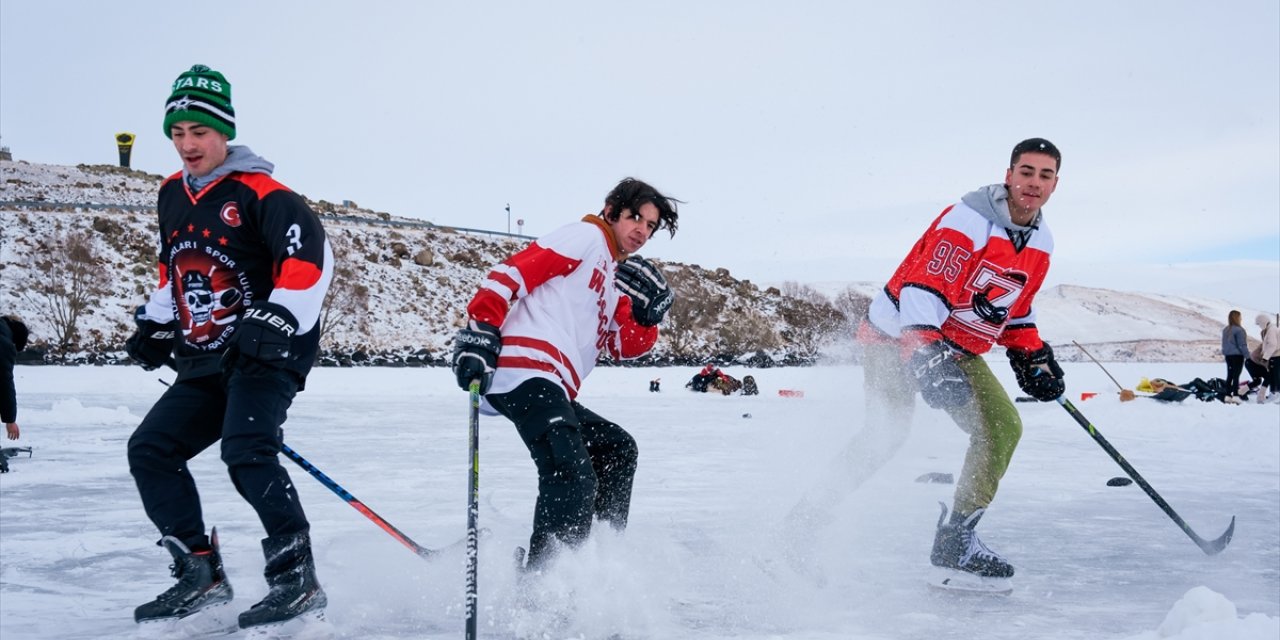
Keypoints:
pixel 791 393
pixel 1085 395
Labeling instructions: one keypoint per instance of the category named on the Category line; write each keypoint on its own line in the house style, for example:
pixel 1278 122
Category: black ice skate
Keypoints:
pixel 201 583
pixel 291 573
pixel 956 546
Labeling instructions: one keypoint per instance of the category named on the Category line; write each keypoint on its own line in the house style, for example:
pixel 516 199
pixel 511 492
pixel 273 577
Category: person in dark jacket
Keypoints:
pixel 243 265
pixel 1234 349
pixel 13 339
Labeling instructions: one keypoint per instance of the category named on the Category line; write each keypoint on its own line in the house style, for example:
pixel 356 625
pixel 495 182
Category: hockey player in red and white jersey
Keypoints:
pixel 537 326
pixel 969 284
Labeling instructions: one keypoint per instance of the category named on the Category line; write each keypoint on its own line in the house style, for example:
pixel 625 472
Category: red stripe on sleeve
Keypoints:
pixel 538 264
pixel 488 307
pixel 506 281
pixel 296 274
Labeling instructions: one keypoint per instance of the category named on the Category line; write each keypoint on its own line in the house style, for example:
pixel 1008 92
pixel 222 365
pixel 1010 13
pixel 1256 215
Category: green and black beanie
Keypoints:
pixel 201 95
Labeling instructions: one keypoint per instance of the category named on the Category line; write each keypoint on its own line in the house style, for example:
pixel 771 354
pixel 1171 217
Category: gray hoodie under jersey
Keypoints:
pixel 992 201
pixel 239 158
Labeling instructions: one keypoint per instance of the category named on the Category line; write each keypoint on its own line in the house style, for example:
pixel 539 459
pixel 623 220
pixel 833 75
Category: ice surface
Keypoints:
pixel 699 560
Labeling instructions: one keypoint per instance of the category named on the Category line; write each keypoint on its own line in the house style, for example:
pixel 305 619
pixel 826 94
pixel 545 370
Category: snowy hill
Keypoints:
pixel 402 285
pixel 400 288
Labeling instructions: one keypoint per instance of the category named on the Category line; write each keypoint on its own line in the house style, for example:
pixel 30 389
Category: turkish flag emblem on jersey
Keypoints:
pixel 230 214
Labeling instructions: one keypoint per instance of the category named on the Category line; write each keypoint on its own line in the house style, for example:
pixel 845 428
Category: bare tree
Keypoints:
pixel 347 302
pixel 65 284
pixel 803 292
pixel 853 305
pixel 693 316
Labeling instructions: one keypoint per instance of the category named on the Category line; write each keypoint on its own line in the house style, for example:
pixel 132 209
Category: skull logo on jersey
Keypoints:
pixel 208 300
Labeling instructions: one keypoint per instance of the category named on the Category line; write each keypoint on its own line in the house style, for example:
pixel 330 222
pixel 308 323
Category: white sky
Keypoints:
pixel 812 141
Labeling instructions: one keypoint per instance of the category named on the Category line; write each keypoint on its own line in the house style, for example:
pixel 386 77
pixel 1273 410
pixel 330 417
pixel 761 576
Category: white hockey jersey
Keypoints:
pixel 558 309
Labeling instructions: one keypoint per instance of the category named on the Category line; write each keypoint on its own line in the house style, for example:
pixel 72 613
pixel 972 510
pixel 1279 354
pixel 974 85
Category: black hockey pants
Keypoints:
pixel 585 463
pixel 245 413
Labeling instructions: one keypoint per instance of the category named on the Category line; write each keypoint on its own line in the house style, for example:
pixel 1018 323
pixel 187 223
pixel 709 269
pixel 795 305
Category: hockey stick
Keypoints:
pixel 1210 547
pixel 1095 361
pixel 473 508
pixel 350 499
pixel 356 504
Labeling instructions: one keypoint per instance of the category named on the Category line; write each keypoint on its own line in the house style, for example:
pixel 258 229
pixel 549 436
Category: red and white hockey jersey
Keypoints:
pixel 964 279
pixel 558 309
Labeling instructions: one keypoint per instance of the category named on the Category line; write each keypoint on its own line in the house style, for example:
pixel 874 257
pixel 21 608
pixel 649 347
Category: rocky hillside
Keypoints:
pixel 77 247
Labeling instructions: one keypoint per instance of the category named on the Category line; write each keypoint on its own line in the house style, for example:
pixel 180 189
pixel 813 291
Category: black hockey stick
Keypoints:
pixel 1210 547
pixel 473 508
pixel 350 499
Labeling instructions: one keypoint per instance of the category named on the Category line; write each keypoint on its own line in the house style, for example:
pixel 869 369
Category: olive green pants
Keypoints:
pixel 989 418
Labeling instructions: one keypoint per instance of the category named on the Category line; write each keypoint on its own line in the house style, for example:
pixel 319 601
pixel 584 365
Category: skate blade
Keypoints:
pixel 210 622
pixel 955 581
pixel 310 625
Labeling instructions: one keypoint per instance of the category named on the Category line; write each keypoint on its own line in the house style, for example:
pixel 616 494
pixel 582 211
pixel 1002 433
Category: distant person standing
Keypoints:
pixel 1235 349
pixel 1269 352
pixel 535 330
pixel 968 284
pixel 244 265
pixel 13 339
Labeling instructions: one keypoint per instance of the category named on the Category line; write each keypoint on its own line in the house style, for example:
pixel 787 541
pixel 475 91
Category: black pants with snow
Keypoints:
pixel 1235 364
pixel 586 464
pixel 245 413
pixel 1257 372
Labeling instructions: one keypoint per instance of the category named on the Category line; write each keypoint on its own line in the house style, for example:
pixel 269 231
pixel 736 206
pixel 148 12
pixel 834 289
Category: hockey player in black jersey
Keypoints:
pixel 244 265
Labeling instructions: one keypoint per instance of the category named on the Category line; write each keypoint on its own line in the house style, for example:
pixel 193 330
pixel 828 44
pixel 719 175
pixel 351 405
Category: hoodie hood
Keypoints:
pixel 992 201
pixel 1263 320
pixel 240 159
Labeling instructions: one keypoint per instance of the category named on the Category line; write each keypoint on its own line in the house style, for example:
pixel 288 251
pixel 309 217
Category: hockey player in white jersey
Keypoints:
pixel 536 327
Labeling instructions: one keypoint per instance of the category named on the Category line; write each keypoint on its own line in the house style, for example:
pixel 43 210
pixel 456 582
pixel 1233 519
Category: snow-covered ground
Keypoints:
pixel 698 561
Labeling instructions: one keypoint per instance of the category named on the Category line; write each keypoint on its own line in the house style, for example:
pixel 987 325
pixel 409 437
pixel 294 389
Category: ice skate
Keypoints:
pixel 295 600
pixel 195 606
pixel 963 562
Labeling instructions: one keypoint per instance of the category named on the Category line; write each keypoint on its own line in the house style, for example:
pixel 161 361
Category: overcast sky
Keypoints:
pixel 811 141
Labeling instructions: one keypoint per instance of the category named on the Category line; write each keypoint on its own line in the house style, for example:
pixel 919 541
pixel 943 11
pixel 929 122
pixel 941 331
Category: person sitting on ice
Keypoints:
pixel 1205 391
pixel 700 381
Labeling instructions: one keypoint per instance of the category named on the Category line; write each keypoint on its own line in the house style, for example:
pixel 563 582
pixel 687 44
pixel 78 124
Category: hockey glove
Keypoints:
pixel 943 384
pixel 151 344
pixel 475 354
pixel 647 288
pixel 1038 373
pixel 262 341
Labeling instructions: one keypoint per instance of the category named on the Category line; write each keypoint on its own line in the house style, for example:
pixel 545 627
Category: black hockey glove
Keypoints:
pixel 475 354
pixel 647 288
pixel 1038 373
pixel 262 340
pixel 151 344
pixel 943 384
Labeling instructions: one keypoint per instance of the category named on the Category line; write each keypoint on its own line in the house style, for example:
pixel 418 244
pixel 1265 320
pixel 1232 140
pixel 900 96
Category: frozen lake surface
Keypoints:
pixel 700 558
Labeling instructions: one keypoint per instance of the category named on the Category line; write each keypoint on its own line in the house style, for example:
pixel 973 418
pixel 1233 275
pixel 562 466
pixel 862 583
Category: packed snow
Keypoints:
pixel 701 558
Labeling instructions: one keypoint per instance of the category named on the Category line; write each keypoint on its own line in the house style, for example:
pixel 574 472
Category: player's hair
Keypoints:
pixel 632 194
pixel 1036 145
